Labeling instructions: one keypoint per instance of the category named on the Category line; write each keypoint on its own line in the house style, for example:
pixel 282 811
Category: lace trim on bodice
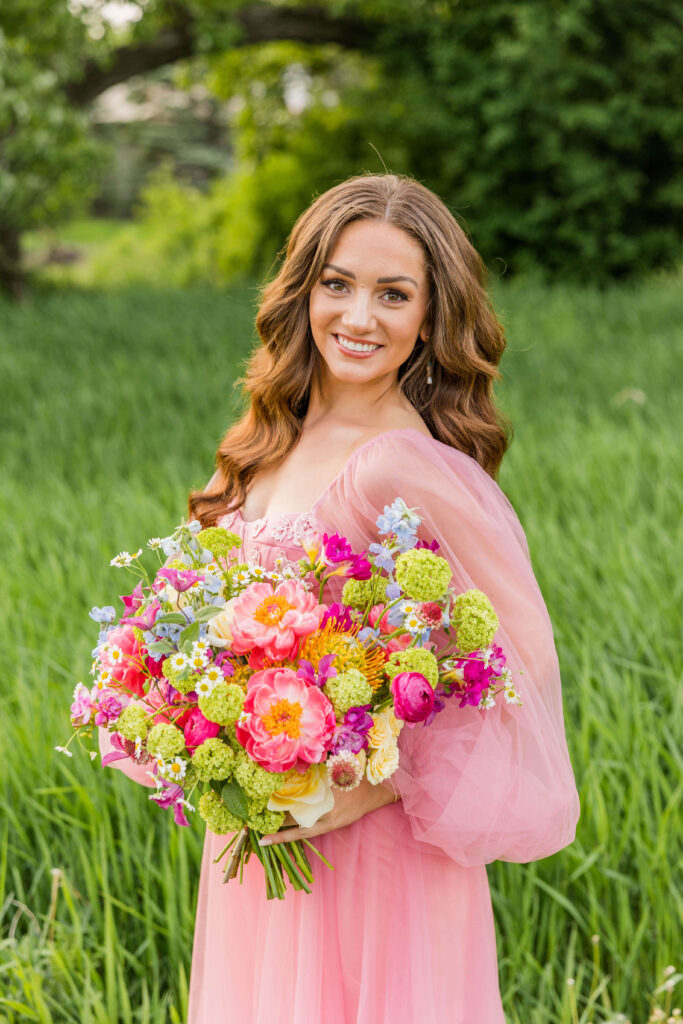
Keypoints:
pixel 285 529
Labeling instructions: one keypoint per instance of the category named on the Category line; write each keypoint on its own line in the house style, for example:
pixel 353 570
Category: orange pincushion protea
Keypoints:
pixel 348 650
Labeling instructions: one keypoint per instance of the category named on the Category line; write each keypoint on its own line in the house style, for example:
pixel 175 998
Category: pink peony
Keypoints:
pixel 286 723
pixel 128 670
pixel 413 696
pixel 270 622
pixel 109 707
pixel 197 729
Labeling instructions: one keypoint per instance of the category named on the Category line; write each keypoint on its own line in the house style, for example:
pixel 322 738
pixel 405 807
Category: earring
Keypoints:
pixel 429 371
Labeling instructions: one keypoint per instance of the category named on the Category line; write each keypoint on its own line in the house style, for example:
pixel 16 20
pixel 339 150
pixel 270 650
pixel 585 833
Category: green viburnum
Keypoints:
pixel 224 704
pixel 216 815
pixel 182 679
pixel 132 722
pixel 256 782
pixel 213 759
pixel 358 594
pixel 348 690
pixel 422 575
pixel 265 821
pixel 165 740
pixel 414 659
pixel 218 541
pixel 474 620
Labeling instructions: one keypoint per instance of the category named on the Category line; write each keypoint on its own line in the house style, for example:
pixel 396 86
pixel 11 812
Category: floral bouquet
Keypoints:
pixel 247 688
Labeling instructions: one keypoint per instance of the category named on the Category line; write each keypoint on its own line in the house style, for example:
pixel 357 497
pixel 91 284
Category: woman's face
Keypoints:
pixel 370 304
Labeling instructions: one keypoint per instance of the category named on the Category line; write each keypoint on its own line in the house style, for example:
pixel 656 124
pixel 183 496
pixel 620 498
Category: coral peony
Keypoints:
pixel 286 723
pixel 269 623
pixel 127 665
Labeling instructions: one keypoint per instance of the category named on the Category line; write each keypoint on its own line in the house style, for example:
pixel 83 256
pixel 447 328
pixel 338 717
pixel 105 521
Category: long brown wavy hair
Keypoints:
pixel 465 344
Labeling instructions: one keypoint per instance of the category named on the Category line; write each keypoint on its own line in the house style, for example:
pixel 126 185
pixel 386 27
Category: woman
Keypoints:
pixel 374 380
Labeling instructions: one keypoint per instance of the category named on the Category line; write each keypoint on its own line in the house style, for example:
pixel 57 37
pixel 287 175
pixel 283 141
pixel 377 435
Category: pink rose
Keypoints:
pixel 286 723
pixel 270 623
pixel 197 729
pixel 109 707
pixel 413 696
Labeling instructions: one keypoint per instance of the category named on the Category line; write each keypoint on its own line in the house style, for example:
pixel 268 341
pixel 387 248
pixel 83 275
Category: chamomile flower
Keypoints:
pixel 115 655
pixel 511 695
pixel 124 558
pixel 179 661
pixel 485 703
pixel 175 770
pixel 242 576
pixel 154 543
pixel 257 572
pixel 200 645
pixel 198 660
pixel 204 686
pixel 213 674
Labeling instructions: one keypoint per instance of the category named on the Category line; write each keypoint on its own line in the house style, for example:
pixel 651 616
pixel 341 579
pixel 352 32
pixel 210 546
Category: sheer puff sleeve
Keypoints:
pixel 478 785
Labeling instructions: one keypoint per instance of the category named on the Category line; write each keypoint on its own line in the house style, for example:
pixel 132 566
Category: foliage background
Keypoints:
pixel 552 132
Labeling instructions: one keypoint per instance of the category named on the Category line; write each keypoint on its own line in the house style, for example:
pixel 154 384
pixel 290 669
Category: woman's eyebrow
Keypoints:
pixel 380 280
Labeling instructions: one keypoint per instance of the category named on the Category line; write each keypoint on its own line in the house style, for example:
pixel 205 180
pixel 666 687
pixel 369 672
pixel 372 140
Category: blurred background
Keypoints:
pixel 154 155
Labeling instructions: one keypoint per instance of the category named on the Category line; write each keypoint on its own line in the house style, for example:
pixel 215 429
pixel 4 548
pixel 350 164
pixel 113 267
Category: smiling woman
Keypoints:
pixel 374 379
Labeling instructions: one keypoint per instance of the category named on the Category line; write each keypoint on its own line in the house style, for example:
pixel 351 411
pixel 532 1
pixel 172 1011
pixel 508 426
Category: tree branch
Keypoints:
pixel 259 23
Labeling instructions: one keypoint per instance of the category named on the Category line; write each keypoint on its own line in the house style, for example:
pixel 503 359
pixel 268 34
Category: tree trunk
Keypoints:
pixel 12 273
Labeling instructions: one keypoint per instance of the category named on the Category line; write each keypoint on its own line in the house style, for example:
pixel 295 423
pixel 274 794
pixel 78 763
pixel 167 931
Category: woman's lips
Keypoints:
pixel 355 353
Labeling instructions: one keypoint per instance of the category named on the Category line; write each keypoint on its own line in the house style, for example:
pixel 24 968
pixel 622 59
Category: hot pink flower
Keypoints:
pixel 197 729
pixel 413 696
pixel 286 722
pixel 128 670
pixel 109 707
pixel 271 622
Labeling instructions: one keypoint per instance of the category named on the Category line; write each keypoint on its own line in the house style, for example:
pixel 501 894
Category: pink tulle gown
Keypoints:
pixel 402 930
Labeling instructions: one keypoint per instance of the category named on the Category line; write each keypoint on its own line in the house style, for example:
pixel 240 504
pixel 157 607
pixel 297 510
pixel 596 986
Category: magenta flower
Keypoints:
pixel 109 707
pixel 336 549
pixel 476 678
pixel 413 696
pixel 433 545
pixel 132 601
pixel 171 795
pixel 286 723
pixel 148 617
pixel 197 729
pixel 269 623
pixel 352 733
pixel 497 660
pixel 339 614
pixel 360 568
pixel 180 579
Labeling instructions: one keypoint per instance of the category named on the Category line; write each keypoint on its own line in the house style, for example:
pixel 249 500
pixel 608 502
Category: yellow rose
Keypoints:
pixel 382 762
pixel 386 728
pixel 219 633
pixel 307 797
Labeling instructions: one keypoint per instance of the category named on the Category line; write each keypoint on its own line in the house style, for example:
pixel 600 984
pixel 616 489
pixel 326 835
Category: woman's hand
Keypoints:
pixel 348 807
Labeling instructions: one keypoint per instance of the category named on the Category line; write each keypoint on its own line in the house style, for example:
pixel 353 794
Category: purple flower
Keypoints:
pixel 352 734
pixel 222 662
pixel 325 670
pixel 336 548
pixel 476 678
pixel 360 568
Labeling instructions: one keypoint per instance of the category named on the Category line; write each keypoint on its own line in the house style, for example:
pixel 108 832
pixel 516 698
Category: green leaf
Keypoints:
pixel 235 799
pixel 204 614
pixel 175 617
pixel 188 636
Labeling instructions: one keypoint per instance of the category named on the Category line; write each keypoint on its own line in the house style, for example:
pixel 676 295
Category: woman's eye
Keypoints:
pixel 393 295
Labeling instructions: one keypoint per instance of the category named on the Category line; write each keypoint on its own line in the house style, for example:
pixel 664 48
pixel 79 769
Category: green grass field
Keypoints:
pixel 111 407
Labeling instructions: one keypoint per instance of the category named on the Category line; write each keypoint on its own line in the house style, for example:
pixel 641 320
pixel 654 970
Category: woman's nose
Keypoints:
pixel 358 314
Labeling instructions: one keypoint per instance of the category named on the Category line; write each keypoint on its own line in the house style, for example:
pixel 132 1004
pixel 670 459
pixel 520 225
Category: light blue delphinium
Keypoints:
pixel 195 526
pixel 393 591
pixel 396 515
pixel 105 614
pixel 382 557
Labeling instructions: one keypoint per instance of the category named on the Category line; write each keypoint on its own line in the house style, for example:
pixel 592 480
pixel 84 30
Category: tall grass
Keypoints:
pixel 111 406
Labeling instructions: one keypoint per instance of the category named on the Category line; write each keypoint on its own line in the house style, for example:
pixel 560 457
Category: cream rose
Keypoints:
pixel 385 730
pixel 382 762
pixel 219 633
pixel 307 797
